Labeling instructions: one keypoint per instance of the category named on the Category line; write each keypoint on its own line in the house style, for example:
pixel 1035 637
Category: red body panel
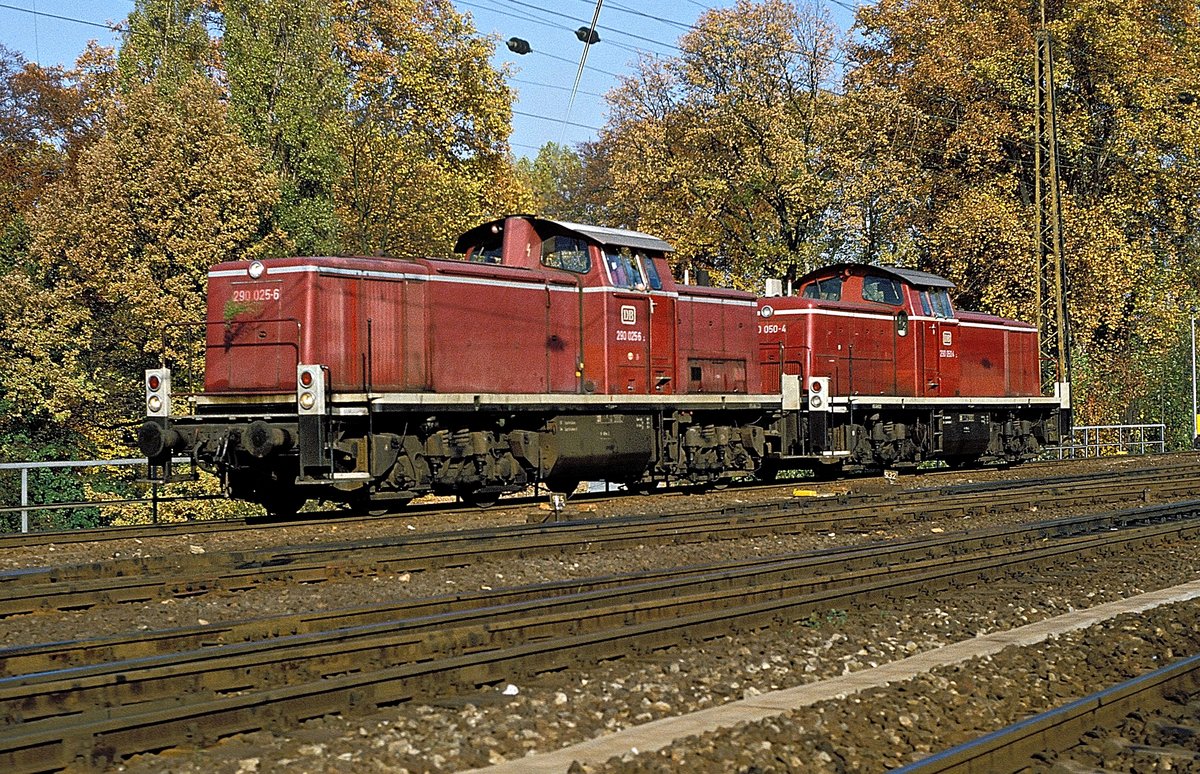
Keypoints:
pixel 893 349
pixel 518 326
pixel 999 356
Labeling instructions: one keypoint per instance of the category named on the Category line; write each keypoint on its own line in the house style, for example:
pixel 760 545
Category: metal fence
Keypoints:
pixel 25 507
pixel 1112 440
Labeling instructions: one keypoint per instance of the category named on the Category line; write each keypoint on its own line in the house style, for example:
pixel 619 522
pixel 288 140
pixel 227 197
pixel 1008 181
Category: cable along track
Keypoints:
pixel 106 710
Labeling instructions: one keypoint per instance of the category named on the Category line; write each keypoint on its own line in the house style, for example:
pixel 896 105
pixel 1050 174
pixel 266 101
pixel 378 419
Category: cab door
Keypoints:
pixel 931 343
pixel 663 326
pixel 641 324
pixel 629 323
pixel 939 346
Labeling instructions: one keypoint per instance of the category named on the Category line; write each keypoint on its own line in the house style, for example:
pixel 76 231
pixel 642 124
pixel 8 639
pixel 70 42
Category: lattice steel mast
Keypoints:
pixel 1053 327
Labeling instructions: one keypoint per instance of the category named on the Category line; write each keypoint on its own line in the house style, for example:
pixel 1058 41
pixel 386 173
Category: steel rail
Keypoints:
pixel 819 564
pixel 483 654
pixel 178 576
pixel 1013 748
pixel 1180 461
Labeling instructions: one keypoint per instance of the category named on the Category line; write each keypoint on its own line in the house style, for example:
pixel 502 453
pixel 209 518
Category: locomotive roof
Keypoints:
pixel 921 279
pixel 619 237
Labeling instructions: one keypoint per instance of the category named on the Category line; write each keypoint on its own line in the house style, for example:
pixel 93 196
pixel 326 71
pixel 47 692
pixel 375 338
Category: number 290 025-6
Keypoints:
pixel 242 295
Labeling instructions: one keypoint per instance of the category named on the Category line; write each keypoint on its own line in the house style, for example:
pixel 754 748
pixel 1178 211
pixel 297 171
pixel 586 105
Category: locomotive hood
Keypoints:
pixel 602 235
pixel 920 279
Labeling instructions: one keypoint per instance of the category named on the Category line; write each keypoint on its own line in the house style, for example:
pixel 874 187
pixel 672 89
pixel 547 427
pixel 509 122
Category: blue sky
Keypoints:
pixel 542 79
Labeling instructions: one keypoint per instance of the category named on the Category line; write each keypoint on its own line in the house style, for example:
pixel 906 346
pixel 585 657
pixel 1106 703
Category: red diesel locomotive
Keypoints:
pixel 557 352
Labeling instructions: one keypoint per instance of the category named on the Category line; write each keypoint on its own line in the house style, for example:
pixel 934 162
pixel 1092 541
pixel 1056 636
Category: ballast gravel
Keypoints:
pixel 349 592
pixel 867 732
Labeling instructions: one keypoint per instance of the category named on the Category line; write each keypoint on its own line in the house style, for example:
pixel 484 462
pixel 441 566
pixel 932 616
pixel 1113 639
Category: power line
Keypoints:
pixel 577 19
pixel 523 16
pixel 571 61
pixel 693 28
pixel 555 120
pixel 73 20
pixel 553 86
pixel 587 46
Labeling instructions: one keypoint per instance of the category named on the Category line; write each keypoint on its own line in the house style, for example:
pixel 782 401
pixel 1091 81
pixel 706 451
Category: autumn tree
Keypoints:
pixel 166 43
pixel 727 149
pixel 286 93
pixel 557 179
pixel 120 250
pixel 48 116
pixel 425 147
pixel 1129 127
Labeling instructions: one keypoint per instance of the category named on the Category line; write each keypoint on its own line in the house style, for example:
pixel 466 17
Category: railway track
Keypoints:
pixel 1071 737
pixel 152 578
pixel 1182 462
pixel 97 712
pixel 817 567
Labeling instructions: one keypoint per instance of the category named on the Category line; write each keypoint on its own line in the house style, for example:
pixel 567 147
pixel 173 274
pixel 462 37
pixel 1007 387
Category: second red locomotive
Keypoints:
pixel 557 352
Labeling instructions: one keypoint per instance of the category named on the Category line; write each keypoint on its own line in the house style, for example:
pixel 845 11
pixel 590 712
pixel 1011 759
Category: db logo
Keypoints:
pixel 947 338
pixel 629 315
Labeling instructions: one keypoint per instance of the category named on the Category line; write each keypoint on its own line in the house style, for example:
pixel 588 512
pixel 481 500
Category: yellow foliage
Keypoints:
pixel 426 150
pixel 120 252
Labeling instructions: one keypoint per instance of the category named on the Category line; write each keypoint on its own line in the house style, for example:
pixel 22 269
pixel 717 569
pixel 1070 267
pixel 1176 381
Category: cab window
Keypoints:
pixel 936 303
pixel 882 290
pixel 488 251
pixel 651 272
pixel 623 269
pixel 941 303
pixel 569 253
pixel 824 290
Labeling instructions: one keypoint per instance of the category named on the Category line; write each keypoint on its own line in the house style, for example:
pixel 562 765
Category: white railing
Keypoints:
pixel 26 506
pixel 1111 440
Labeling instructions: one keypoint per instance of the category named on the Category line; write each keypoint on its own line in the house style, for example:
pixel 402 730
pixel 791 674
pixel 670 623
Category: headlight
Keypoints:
pixel 154 403
pixel 307 400
pixel 256 269
pixel 816 401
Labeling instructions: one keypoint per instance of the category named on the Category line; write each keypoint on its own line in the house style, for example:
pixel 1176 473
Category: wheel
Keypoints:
pixel 284 503
pixel 827 471
pixel 480 498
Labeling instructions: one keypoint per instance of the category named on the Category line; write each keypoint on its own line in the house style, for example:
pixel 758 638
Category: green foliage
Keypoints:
pixel 285 95
pixel 165 45
pixel 428 124
pixel 45 486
